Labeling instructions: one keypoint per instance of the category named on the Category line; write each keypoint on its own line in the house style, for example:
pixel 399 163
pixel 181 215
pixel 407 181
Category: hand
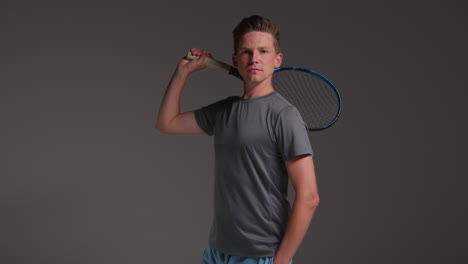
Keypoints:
pixel 188 67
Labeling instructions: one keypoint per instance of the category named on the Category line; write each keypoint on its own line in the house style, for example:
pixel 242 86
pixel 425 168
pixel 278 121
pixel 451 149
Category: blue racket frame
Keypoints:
pixel 234 72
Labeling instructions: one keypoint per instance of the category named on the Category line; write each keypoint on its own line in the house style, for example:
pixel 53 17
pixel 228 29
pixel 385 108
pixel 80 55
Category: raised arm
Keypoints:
pixel 170 119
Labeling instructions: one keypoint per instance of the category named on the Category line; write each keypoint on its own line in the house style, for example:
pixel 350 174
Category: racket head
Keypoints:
pixel 316 97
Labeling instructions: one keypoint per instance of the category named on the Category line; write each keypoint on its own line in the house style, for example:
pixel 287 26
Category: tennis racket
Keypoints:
pixel 314 96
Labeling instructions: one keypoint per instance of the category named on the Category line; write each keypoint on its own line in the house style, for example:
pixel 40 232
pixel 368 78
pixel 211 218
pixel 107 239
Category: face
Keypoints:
pixel 256 58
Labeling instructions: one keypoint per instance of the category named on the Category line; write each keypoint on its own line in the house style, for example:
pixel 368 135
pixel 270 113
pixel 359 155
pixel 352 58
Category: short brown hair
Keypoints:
pixel 256 23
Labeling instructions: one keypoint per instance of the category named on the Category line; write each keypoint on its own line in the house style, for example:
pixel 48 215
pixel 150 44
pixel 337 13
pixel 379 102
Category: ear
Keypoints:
pixel 234 60
pixel 278 59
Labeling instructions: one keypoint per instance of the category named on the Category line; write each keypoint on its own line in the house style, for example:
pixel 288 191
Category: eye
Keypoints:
pixel 264 51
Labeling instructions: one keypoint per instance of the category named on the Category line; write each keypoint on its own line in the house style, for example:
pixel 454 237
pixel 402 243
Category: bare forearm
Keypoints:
pixel 299 221
pixel 170 119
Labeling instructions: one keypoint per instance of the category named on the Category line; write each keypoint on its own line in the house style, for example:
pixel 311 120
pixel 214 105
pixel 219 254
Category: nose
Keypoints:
pixel 254 57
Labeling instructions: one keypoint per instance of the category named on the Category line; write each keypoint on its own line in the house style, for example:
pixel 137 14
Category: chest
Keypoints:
pixel 245 125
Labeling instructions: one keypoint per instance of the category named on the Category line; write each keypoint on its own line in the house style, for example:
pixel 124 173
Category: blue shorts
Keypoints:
pixel 212 256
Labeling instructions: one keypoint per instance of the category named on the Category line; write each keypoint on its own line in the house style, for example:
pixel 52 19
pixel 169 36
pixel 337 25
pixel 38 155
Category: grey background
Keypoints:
pixel 84 178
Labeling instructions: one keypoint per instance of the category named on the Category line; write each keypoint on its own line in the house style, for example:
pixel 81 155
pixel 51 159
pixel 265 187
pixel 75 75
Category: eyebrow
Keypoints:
pixel 263 47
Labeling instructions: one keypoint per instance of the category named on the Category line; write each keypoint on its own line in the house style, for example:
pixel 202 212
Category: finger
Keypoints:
pixel 196 52
pixel 203 55
pixel 200 61
pixel 196 56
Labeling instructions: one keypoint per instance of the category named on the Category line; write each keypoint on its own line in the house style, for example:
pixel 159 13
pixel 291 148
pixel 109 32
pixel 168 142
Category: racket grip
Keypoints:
pixel 210 62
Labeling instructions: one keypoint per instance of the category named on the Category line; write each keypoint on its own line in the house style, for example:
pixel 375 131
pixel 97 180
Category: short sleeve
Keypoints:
pixel 291 134
pixel 206 116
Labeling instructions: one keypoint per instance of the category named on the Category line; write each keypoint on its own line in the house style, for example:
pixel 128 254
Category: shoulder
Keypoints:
pixel 289 116
pixel 279 101
pixel 286 113
pixel 281 107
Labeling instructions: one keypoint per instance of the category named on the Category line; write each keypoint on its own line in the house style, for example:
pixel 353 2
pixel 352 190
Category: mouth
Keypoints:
pixel 253 70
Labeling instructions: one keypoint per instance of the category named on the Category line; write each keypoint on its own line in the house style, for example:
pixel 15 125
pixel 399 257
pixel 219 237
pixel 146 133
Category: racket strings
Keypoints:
pixel 314 97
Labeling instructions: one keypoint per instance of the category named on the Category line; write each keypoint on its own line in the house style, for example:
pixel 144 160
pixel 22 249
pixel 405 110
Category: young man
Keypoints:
pixel 260 142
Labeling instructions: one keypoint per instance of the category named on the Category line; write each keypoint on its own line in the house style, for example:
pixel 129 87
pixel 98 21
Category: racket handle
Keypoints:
pixel 210 62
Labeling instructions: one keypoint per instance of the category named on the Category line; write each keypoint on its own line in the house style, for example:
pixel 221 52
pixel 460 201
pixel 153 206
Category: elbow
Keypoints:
pixel 161 128
pixel 310 202
pixel 314 203
pixel 163 131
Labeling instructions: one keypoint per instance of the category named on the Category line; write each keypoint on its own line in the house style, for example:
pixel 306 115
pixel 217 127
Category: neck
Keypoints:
pixel 257 90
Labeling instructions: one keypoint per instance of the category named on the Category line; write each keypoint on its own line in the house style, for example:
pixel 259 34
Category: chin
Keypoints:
pixel 254 78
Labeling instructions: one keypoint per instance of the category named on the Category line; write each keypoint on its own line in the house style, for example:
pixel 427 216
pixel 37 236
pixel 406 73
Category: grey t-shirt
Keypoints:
pixel 252 139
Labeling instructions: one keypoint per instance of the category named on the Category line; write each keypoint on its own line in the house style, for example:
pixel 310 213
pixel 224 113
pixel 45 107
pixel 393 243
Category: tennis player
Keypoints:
pixel 261 141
